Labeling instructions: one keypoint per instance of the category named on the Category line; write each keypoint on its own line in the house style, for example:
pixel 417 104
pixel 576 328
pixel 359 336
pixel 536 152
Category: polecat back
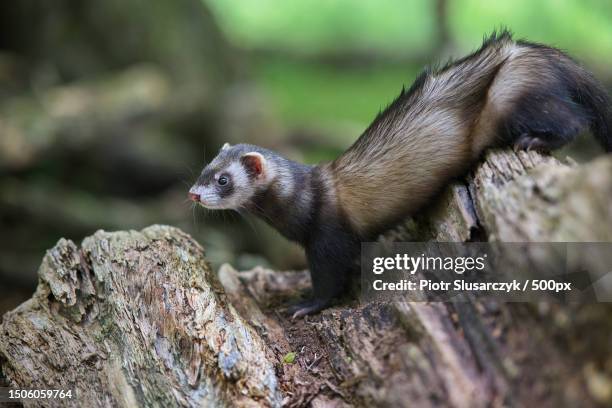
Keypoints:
pixel 506 93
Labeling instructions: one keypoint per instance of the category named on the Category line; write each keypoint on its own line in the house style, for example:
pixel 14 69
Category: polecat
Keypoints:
pixel 506 93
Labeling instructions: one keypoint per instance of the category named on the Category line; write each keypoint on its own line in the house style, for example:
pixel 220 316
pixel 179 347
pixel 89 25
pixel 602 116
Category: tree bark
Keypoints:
pixel 138 318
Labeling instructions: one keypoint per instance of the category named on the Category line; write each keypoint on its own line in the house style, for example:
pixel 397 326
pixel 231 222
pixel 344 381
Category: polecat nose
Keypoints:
pixel 194 197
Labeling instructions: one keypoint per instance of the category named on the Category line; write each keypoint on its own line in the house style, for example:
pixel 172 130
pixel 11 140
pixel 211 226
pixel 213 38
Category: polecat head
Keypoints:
pixel 232 178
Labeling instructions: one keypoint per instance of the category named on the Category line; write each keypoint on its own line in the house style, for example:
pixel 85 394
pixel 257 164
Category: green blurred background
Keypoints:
pixel 109 109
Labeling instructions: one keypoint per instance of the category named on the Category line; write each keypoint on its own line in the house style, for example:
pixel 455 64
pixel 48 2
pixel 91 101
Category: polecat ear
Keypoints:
pixel 254 163
pixel 226 146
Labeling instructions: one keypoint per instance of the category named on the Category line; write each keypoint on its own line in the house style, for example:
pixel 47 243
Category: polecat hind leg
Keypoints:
pixel 537 142
pixel 547 119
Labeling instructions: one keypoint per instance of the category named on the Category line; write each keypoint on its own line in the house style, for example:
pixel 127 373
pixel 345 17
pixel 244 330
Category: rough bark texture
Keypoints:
pixel 138 318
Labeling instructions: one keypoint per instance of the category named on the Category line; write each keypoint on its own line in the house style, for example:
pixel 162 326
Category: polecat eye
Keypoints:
pixel 222 180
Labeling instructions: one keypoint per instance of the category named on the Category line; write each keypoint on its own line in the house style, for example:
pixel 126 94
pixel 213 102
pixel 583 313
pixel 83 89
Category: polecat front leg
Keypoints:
pixel 331 259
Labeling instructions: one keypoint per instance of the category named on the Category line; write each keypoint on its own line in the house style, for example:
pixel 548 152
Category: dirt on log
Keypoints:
pixel 139 319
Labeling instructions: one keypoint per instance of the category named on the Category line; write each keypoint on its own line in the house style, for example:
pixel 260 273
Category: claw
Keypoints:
pixel 527 142
pixel 308 307
pixel 299 313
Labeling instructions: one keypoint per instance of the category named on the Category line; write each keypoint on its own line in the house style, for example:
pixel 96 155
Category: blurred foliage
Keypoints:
pixel 318 95
pixel 582 27
pixel 330 25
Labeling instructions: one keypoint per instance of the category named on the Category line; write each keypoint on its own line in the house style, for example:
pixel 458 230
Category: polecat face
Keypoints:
pixel 231 179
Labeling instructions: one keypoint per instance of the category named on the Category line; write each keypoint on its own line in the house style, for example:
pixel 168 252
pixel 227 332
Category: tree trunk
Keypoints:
pixel 138 318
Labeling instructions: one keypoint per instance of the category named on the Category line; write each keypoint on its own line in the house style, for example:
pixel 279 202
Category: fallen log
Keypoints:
pixel 138 318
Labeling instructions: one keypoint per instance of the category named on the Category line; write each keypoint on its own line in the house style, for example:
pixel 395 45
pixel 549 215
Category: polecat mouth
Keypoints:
pixel 194 197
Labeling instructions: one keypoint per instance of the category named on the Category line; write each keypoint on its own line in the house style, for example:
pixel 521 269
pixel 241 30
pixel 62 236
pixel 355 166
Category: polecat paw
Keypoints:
pixel 528 142
pixel 307 307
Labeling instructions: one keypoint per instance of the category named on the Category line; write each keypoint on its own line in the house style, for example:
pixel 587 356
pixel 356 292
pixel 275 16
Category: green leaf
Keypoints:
pixel 289 358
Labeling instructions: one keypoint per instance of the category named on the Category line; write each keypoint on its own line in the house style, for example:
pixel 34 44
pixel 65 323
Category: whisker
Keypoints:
pixel 195 220
pixel 248 220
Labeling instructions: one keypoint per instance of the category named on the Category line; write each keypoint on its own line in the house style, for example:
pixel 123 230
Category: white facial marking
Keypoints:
pixel 239 176
pixel 242 189
pixel 209 197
